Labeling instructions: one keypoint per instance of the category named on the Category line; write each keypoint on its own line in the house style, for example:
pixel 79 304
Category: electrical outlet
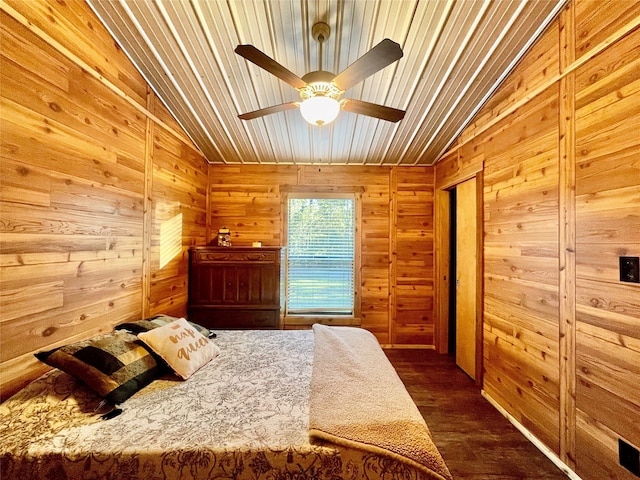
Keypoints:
pixel 629 457
pixel 630 269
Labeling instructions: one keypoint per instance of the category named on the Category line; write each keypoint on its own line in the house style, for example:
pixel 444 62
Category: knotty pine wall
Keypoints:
pixel 558 150
pixel 93 167
pixel 93 171
pixel 397 301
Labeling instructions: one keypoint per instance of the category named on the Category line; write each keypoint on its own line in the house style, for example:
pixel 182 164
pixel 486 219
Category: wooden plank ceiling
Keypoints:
pixel 455 54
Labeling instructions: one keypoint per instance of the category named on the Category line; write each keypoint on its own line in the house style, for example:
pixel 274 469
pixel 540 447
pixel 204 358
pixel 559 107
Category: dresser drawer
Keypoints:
pixel 235 257
pixel 235 318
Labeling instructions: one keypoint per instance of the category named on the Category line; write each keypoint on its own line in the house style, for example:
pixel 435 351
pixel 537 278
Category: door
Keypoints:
pixel 466 265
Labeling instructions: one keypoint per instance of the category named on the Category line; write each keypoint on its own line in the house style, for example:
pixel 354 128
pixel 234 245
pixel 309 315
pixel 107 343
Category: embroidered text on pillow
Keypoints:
pixel 180 345
pixel 191 347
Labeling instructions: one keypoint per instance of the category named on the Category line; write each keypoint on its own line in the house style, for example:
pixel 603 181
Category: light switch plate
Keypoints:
pixel 629 457
pixel 630 269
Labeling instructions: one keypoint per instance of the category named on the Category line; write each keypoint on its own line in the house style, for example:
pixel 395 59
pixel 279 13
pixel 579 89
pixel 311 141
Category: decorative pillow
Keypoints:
pixel 116 365
pixel 181 346
pixel 156 321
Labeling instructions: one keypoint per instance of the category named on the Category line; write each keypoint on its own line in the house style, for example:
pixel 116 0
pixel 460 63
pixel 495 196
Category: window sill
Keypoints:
pixel 298 321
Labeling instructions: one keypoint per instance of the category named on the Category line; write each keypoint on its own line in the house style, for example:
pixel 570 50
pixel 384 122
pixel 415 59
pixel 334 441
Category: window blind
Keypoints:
pixel 320 256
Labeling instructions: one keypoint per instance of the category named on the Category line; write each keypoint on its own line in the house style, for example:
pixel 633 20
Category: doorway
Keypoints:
pixel 464 277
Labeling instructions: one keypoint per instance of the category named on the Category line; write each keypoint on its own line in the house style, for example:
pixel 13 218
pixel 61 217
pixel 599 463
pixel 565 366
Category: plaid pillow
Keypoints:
pixel 115 365
pixel 161 320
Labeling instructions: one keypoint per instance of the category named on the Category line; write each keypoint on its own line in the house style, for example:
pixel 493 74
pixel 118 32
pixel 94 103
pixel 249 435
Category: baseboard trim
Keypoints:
pixel 401 346
pixel 550 454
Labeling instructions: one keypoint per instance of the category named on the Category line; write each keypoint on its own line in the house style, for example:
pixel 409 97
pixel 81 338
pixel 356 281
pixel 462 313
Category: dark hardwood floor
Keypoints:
pixel 476 441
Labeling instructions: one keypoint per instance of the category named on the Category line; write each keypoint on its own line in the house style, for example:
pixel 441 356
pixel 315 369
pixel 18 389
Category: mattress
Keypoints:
pixel 244 415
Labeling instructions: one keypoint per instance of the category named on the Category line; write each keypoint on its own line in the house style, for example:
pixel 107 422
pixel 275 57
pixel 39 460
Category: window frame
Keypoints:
pixel 322 192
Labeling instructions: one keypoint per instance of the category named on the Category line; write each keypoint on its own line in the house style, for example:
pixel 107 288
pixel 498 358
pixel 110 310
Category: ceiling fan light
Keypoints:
pixel 320 110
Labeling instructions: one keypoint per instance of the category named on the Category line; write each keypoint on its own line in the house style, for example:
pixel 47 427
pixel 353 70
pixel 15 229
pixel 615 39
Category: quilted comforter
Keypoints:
pixel 245 415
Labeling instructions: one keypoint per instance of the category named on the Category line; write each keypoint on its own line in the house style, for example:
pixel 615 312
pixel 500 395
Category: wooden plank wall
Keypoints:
pixel 607 170
pixel 559 148
pixel 179 200
pixel 413 236
pixel 397 233
pixel 92 167
pixel 521 265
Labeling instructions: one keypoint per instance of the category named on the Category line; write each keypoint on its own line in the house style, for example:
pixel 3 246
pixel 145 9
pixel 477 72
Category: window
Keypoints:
pixel 321 270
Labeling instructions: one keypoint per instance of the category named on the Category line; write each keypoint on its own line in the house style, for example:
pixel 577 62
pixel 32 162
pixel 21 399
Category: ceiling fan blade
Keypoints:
pixel 383 54
pixel 373 110
pixel 268 111
pixel 267 63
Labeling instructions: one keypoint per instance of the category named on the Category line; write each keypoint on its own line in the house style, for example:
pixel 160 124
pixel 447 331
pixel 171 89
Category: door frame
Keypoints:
pixel 442 264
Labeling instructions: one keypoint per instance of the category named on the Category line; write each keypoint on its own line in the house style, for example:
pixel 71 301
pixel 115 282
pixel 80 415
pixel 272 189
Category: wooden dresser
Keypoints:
pixel 234 287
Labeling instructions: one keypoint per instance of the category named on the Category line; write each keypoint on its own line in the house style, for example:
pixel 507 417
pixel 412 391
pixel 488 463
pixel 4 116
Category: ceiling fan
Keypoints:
pixel 320 91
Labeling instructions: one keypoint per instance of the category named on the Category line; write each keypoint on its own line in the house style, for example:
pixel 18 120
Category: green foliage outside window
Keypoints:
pixel 320 255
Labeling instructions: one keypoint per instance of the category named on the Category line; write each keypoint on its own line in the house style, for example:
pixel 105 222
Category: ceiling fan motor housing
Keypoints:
pixel 320 83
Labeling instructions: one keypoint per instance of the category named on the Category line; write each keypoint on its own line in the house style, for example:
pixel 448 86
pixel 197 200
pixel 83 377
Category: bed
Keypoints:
pixel 302 404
